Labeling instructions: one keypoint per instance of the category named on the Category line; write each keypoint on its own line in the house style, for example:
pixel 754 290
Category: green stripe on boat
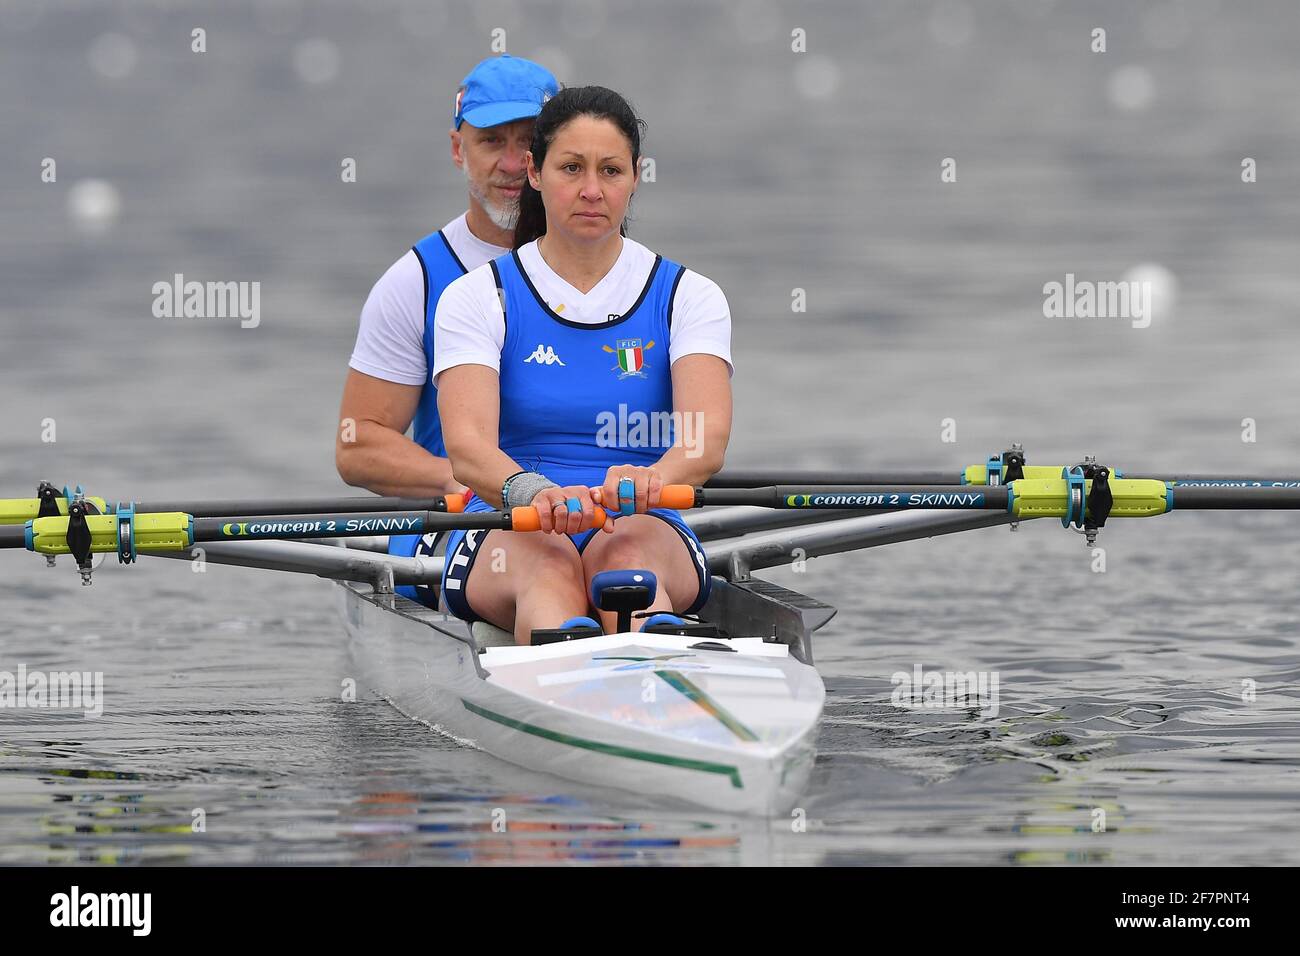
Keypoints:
pixel 611 749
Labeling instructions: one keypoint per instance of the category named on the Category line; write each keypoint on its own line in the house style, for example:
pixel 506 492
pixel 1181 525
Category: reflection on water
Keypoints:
pixel 1142 771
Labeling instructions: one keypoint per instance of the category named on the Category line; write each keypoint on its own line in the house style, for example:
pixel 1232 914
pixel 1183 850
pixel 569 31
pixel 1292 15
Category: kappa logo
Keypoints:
pixel 544 355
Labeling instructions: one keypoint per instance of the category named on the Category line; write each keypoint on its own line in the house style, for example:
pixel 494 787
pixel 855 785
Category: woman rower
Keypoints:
pixel 557 366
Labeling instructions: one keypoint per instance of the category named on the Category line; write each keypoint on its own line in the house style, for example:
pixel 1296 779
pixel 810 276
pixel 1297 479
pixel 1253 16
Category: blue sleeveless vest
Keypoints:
pixel 578 398
pixel 441 267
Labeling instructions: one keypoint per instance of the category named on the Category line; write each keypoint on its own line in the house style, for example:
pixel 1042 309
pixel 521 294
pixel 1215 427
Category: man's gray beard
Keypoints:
pixel 503 217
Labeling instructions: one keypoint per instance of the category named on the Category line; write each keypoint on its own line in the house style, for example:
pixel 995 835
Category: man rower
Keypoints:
pixel 540 349
pixel 389 382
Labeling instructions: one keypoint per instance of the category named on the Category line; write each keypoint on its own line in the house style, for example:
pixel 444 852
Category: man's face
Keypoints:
pixel 493 161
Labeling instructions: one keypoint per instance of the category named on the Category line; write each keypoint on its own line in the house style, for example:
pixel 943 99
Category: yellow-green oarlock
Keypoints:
pixel 23 510
pixel 163 531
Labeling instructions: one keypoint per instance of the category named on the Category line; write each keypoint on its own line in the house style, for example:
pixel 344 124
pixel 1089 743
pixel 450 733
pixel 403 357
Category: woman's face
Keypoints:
pixel 587 179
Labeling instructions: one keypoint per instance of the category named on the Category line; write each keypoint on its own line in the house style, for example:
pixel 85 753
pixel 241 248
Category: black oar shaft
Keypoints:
pixel 362 504
pixel 1235 498
pixel 861 497
pixel 1228 481
pixel 767 477
pixel 356 524
pixel 764 477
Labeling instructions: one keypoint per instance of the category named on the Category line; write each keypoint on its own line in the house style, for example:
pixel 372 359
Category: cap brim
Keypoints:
pixel 494 114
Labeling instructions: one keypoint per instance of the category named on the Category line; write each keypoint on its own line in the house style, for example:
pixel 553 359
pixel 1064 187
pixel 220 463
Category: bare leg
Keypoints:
pixel 522 581
pixel 643 541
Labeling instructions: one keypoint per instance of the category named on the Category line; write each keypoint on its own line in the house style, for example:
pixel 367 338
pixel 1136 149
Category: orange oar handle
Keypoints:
pixel 679 497
pixel 526 519
pixel 455 503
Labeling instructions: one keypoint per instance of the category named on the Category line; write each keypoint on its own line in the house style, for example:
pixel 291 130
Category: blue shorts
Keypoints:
pixel 411 546
pixel 462 549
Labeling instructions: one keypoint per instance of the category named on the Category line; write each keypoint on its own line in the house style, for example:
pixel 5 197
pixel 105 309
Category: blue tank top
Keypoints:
pixel 441 267
pixel 577 398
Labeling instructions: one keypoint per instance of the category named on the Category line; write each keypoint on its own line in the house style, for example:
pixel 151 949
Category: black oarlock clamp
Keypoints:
pixel 79 538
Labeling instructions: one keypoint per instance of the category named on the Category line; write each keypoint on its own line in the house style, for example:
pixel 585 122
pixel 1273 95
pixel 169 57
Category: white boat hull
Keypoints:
pixel 655 715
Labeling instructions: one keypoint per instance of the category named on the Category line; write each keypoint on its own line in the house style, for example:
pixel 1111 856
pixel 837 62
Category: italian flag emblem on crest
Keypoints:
pixel 631 356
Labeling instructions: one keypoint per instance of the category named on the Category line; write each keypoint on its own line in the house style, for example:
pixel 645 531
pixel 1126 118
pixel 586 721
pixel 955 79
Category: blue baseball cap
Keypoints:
pixel 502 89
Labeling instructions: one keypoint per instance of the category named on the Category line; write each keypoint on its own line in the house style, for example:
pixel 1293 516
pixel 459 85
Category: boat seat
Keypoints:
pixel 489 635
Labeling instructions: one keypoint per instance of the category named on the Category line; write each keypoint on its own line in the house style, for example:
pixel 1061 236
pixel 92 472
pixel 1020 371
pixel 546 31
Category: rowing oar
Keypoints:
pixel 51 501
pixel 972 475
pixel 1083 501
pixel 1026 498
pixel 999 469
pixel 129 531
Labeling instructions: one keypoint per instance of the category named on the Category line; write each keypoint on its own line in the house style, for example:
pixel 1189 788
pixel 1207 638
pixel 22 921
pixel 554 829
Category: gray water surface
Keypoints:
pixel 1119 691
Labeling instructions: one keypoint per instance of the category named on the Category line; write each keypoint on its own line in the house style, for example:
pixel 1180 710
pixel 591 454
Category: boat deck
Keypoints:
pixel 752 608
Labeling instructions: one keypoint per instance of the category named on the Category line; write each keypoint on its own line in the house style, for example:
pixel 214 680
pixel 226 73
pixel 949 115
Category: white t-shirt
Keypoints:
pixel 470 326
pixel 390 340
